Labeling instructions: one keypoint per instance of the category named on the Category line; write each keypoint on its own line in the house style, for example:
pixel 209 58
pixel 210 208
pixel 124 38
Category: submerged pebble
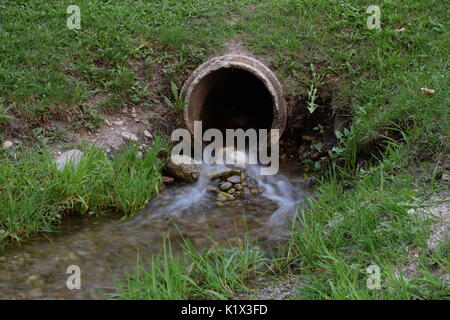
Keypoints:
pixel 225 186
pixel 234 179
pixel 223 196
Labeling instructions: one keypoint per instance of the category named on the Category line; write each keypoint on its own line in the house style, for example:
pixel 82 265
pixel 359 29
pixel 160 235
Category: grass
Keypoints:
pixel 214 273
pixel 47 70
pixel 346 231
pixel 35 195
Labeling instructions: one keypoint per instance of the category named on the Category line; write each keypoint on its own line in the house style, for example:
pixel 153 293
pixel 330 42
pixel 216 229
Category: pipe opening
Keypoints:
pixel 234 92
pixel 232 98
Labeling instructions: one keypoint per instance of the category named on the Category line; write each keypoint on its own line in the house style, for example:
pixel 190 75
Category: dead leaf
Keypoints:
pixel 427 91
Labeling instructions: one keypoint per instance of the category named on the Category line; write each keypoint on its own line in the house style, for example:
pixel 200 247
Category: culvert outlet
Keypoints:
pixel 234 91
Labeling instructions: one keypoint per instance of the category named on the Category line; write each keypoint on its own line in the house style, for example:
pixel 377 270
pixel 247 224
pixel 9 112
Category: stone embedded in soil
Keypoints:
pixel 238 186
pixel 183 168
pixel 130 136
pixel 307 138
pixel 223 196
pixel 7 144
pixel 167 180
pixel 148 134
pixel 232 190
pixel 234 179
pixel 72 156
pixel 225 186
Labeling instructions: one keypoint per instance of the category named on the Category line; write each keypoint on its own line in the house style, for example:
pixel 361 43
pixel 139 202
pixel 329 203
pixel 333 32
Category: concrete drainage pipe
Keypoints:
pixel 234 91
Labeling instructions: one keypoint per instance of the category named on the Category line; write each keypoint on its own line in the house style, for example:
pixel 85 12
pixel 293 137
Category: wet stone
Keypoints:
pixel 212 189
pixel 225 186
pixel 223 196
pixel 221 173
pixel 167 180
pixel 234 179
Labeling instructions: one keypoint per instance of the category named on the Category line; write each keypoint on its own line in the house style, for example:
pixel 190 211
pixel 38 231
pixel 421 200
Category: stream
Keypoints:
pixel 106 248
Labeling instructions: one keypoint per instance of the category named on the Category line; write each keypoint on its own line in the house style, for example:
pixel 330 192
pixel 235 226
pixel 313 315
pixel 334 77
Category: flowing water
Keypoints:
pixel 106 249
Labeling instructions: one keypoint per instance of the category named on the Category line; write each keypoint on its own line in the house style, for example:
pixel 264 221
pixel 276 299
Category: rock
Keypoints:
pixel 232 190
pixel 225 186
pixel 307 138
pixel 223 173
pixel 72 156
pixel 7 144
pixel 183 168
pixel 238 186
pixel 167 180
pixel 234 179
pixel 33 278
pixel 223 196
pixel 254 191
pixel 315 155
pixel 148 134
pixel 107 122
pixel 212 189
pixel 130 136
pixel 118 123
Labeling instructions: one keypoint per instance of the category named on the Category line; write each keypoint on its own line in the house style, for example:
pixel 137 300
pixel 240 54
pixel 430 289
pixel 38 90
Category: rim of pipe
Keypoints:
pixel 246 63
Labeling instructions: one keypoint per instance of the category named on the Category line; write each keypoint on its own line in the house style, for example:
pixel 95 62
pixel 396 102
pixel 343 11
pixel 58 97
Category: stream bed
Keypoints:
pixel 106 248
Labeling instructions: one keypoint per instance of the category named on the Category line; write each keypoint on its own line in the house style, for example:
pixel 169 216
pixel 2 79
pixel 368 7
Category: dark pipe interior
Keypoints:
pixel 236 99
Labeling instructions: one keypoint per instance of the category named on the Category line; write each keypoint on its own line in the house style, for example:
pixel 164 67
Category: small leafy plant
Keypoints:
pixel 178 102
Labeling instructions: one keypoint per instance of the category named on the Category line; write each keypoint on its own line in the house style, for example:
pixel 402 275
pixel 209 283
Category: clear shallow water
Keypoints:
pixel 105 248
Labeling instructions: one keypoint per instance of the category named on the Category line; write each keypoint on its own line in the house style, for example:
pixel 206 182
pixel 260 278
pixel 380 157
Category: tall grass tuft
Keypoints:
pixel 35 195
pixel 215 273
